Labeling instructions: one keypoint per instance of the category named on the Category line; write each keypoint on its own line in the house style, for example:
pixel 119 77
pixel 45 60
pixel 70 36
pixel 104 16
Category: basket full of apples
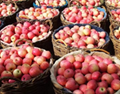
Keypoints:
pixel 74 37
pixel 84 15
pixel 114 16
pixel 97 3
pixel 8 12
pixel 22 4
pixel 112 4
pixel 59 4
pixel 42 14
pixel 81 72
pixel 24 69
pixel 39 33
pixel 115 37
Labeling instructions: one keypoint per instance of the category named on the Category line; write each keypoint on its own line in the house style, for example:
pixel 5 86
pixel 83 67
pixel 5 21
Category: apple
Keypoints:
pixel 44 65
pixel 115 84
pixel 6 74
pixel 71 84
pixel 25 68
pixel 101 90
pixel 107 77
pixel 10 67
pixel 17 61
pixel 111 68
pixel 17 73
pixel 92 84
pixel 25 77
pixel 93 67
pixel 68 73
pixel 80 78
pixel 103 84
pixel 61 80
pixel 96 75
pixel 89 91
pixel 34 71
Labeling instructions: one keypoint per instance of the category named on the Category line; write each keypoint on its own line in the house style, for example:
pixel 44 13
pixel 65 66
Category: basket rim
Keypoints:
pixel 99 8
pixel 93 26
pixel 11 44
pixel 58 7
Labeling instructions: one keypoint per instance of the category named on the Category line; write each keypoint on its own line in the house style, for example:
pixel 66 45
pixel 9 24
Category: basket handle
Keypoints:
pixel 102 50
pixel 71 1
pixel 112 26
pixel 60 40
pixel 96 23
pixel 104 8
pixel 50 23
pixel 29 42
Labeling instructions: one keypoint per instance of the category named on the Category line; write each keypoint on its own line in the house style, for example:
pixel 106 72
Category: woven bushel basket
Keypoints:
pixel 10 18
pixel 62 90
pixel 42 43
pixel 60 8
pixel 22 4
pixel 111 18
pixel 36 85
pixel 101 23
pixel 110 7
pixel 55 20
pixel 115 41
pixel 61 49
pixel 71 3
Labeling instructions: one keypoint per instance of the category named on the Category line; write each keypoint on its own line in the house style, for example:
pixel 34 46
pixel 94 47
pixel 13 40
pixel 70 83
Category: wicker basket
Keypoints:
pixel 62 49
pixel 10 18
pixel 43 43
pixel 110 7
pixel 60 8
pixel 70 3
pixel 54 20
pixel 111 18
pixel 61 90
pixel 115 41
pixel 36 85
pixel 22 4
pixel 101 23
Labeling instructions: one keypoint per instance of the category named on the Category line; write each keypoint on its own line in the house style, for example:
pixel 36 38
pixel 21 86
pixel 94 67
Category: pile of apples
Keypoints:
pixel 115 3
pixel 81 36
pixel 88 74
pixel 23 63
pixel 88 2
pixel 116 14
pixel 32 31
pixel 6 10
pixel 53 3
pixel 38 13
pixel 117 33
pixel 83 14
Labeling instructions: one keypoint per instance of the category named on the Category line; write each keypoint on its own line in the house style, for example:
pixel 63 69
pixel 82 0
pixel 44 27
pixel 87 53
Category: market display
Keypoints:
pixel 75 34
